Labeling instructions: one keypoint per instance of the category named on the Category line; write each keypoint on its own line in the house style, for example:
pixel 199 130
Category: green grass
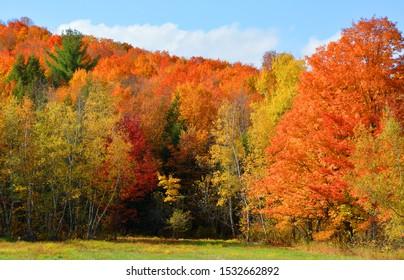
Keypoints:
pixel 167 249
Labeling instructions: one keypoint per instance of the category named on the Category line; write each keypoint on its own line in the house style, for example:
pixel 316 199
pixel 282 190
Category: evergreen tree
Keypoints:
pixel 172 132
pixel 69 57
pixel 17 75
pixel 30 80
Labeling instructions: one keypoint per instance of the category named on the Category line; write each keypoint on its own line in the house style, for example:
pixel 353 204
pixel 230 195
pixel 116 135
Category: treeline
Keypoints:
pixel 101 139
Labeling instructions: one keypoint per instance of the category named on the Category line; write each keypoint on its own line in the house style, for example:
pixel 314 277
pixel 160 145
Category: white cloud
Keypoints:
pixel 228 42
pixel 314 43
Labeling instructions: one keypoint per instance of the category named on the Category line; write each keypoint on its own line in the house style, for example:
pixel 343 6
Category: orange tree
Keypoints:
pixel 350 82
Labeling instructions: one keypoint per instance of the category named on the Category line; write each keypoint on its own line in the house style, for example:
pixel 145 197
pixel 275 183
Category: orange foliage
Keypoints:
pixel 72 92
pixel 351 81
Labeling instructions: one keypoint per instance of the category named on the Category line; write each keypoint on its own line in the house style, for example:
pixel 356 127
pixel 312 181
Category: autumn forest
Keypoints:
pixel 101 139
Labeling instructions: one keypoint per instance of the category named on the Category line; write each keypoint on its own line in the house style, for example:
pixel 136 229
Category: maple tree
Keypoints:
pixel 140 176
pixel 351 82
pixel 278 88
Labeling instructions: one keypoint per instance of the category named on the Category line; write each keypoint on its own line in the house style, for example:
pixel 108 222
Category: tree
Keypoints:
pixel 196 114
pixel 139 179
pixel 351 82
pixel 267 60
pixel 378 177
pixel 227 155
pixel 279 88
pixel 29 79
pixel 105 149
pixel 171 133
pixel 179 222
pixel 69 57
pixel 172 188
pixel 28 154
pixel 17 159
pixel 59 139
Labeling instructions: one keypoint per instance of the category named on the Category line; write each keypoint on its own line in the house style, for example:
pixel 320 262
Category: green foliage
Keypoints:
pixel 29 80
pixel 179 222
pixel 174 126
pixel 69 57
pixel 171 134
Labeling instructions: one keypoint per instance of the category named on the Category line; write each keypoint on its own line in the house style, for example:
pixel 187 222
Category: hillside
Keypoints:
pixel 101 139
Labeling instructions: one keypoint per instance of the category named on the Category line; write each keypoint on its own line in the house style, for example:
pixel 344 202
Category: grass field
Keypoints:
pixel 167 249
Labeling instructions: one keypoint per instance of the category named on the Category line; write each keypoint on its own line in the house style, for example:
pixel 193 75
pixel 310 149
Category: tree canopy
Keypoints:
pixel 70 56
pixel 100 139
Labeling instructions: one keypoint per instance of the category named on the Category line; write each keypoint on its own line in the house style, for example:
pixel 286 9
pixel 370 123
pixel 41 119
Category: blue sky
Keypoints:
pixel 228 30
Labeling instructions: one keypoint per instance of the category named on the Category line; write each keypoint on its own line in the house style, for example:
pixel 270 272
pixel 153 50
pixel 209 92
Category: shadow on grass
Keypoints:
pixel 172 241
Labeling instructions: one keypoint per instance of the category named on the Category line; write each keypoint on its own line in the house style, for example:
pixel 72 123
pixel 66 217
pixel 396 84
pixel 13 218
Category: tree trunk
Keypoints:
pixel 233 231
pixel 30 234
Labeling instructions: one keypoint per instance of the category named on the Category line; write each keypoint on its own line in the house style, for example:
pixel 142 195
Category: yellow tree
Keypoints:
pixel 17 164
pixel 172 188
pixel 28 155
pixel 378 177
pixel 106 152
pixel 226 157
pixel 59 146
pixel 179 221
pixel 278 87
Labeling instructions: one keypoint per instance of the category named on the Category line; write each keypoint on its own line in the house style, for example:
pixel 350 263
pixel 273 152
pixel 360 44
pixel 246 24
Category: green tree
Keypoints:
pixel 29 79
pixel 171 135
pixel 179 222
pixel 69 57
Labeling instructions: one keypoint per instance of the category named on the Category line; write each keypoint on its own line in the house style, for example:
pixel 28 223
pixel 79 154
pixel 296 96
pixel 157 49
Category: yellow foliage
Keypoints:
pixel 172 187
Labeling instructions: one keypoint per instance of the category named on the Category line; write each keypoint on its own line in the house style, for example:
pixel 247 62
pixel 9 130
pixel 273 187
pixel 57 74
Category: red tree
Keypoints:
pixel 139 180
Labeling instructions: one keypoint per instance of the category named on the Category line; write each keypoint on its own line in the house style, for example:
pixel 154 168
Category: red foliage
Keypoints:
pixel 142 176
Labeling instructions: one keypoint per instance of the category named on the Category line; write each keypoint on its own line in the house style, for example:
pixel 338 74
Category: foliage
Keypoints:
pixel 171 186
pixel 179 222
pixel 69 57
pixel 351 82
pixel 378 175
pixel 276 155
pixel 29 79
